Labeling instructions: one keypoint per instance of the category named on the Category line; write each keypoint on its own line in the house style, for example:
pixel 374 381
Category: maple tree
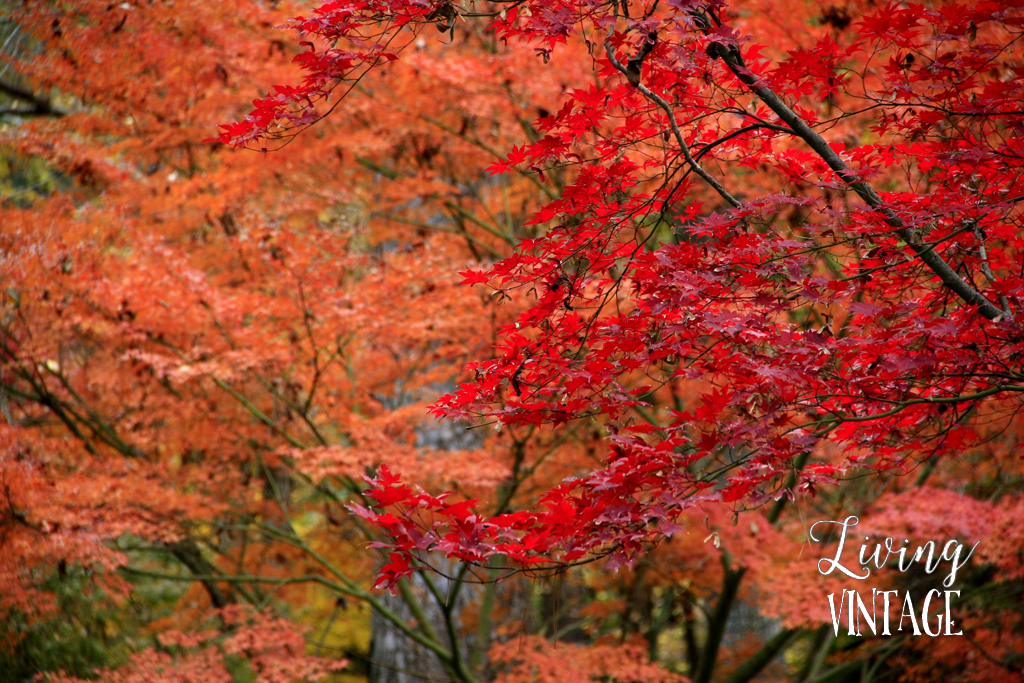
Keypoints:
pixel 202 356
pixel 205 351
pixel 918 281
pixel 876 320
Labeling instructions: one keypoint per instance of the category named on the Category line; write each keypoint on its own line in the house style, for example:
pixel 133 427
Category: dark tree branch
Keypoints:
pixel 718 621
pixel 752 666
pixel 800 128
pixel 189 555
pixel 40 106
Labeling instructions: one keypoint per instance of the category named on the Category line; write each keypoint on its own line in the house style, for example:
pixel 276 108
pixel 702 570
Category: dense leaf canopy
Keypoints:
pixel 860 295
pixel 496 290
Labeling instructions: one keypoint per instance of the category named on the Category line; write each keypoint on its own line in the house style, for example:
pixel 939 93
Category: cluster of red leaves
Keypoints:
pixel 289 107
pixel 834 330
pixel 994 527
pixel 535 659
pixel 273 649
pixel 54 506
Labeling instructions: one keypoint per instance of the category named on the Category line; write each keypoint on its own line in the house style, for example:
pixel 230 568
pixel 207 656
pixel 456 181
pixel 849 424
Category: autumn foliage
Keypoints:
pixel 515 341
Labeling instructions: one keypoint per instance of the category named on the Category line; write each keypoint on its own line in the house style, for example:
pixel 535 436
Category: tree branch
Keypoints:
pixel 718 621
pixel 660 101
pixel 40 106
pixel 763 657
pixel 800 128
pixel 189 555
